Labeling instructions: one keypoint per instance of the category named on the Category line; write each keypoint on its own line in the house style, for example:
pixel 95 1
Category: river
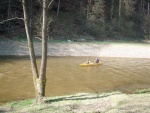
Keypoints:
pixel 65 76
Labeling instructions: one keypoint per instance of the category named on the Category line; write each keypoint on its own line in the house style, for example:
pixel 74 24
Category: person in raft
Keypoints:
pixel 97 60
pixel 88 61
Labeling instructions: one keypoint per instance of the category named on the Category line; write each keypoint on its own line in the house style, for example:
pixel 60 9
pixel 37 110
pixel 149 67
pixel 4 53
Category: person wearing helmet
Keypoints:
pixel 97 60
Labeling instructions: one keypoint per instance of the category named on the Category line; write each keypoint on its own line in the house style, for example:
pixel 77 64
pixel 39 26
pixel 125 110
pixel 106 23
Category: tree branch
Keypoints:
pixel 38 38
pixel 11 19
pixel 50 3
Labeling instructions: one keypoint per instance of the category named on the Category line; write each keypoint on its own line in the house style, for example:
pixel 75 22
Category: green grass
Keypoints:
pixel 83 102
pixel 18 105
pixel 143 91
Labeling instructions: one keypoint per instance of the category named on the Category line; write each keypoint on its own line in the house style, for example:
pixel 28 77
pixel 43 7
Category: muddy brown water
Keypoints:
pixel 65 76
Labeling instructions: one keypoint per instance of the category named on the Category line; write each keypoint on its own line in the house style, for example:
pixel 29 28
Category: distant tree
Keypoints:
pixel 95 9
pixel 119 14
pixel 128 7
pixel 147 21
pixel 148 7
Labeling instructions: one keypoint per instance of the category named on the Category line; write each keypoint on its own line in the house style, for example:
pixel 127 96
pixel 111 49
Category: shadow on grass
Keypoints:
pixel 80 97
pixel 5 110
pixel 2 111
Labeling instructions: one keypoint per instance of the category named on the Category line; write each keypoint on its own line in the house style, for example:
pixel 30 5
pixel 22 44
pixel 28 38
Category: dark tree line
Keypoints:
pixel 97 18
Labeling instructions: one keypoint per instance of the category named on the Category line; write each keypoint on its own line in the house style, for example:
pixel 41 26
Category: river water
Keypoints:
pixel 65 76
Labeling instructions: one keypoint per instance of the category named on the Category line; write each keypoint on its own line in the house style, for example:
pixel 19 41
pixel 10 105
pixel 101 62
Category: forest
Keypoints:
pixel 72 19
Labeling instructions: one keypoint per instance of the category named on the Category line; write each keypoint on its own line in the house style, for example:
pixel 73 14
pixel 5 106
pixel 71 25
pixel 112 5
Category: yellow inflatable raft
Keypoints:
pixel 90 64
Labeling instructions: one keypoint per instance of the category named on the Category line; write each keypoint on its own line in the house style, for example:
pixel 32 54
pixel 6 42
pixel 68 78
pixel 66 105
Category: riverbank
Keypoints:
pixel 114 102
pixel 99 49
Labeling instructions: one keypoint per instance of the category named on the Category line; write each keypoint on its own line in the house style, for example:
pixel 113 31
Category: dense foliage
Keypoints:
pixel 96 19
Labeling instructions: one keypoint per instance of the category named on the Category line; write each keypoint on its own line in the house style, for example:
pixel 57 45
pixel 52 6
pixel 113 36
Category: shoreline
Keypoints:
pixel 110 49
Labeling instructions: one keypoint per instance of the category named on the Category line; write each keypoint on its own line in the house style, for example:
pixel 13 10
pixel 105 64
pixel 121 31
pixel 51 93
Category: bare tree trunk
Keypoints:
pixel 148 8
pixel 141 6
pixel 30 17
pixel 58 7
pixel 8 14
pixel 31 47
pixel 120 1
pixel 88 8
pixel 42 78
pixel 87 12
pixel 111 13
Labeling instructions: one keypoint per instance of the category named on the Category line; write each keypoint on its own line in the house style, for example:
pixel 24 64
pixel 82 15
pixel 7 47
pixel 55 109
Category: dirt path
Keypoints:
pixel 79 49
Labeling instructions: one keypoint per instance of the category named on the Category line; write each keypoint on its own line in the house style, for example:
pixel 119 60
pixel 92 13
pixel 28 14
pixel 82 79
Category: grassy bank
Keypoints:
pixel 114 102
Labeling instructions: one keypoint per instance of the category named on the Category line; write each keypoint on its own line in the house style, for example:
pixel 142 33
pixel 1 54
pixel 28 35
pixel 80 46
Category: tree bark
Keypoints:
pixel 8 14
pixel 31 48
pixel 148 8
pixel 111 14
pixel 42 77
pixel 88 8
pixel 30 15
pixel 39 79
pixel 58 7
pixel 120 1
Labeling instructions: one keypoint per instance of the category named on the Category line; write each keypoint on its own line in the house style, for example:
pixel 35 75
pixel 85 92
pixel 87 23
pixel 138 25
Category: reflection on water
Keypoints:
pixel 65 76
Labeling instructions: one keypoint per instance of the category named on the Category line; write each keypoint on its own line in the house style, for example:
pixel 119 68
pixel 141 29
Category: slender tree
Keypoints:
pixel 148 7
pixel 120 4
pixel 30 45
pixel 39 79
pixel 112 9
pixel 58 7
pixel 42 77
pixel 9 13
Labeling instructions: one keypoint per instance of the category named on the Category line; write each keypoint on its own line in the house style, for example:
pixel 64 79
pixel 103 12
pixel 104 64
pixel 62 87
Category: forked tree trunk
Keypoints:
pixel 39 80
